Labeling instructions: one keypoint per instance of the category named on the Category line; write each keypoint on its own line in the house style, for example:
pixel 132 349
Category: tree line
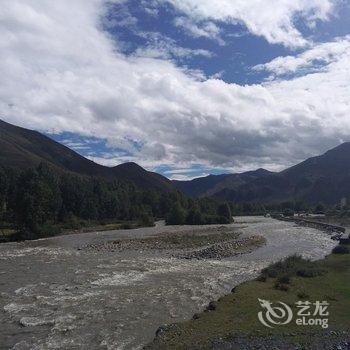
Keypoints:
pixel 40 201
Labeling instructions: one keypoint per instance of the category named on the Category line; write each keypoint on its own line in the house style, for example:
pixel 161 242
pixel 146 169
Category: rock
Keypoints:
pixel 35 321
pixel 212 306
pixel 160 330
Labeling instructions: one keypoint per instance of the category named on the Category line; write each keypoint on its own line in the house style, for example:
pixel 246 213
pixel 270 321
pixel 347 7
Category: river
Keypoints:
pixel 56 296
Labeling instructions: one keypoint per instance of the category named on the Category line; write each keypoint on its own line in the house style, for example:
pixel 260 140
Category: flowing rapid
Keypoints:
pixel 56 295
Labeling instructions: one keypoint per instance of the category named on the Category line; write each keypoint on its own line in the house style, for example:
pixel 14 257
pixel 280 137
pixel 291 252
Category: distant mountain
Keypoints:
pixel 22 148
pixel 324 178
pixel 213 184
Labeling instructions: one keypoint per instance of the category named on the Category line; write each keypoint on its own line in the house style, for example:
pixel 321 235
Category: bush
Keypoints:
pixel 48 230
pixel 284 279
pixel 126 226
pixel 302 295
pixel 288 212
pixel 285 267
pixel 24 235
pixel 294 265
pixel 341 249
pixel 261 278
pixel 310 272
pixel 146 220
pixel 281 286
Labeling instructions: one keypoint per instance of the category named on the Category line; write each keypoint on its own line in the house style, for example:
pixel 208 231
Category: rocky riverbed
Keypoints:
pixel 104 291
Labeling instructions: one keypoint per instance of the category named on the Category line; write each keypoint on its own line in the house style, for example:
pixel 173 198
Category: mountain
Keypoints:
pixel 141 177
pixel 22 148
pixel 325 178
pixel 212 184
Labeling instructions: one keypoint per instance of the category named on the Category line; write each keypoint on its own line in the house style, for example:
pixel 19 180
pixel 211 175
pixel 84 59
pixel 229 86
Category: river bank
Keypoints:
pixel 57 295
pixel 232 322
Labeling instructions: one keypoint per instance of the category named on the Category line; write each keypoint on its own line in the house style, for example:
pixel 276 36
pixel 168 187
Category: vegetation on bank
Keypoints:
pixel 42 202
pixel 289 208
pixel 232 321
pixel 199 213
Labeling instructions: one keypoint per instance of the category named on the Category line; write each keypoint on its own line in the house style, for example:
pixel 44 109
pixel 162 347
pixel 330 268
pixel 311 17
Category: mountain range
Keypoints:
pixel 325 178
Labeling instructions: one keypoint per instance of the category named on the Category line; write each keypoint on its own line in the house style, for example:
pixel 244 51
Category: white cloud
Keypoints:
pixel 183 177
pixel 206 29
pixel 160 46
pixel 322 54
pixel 61 72
pixel 274 19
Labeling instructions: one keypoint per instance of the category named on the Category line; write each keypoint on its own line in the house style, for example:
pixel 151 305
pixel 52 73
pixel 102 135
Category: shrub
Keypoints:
pixel 48 230
pixel 341 249
pixel 302 295
pixel 310 272
pixel 281 286
pixel 126 226
pixel 285 279
pixel 261 278
pixel 146 220
pixel 285 267
pixel 294 265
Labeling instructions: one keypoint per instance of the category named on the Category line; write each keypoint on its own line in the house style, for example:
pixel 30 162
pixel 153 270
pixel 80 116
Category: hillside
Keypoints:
pixel 325 178
pixel 213 184
pixel 22 148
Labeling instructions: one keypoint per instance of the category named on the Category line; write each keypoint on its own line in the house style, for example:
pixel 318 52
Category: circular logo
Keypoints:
pixel 274 315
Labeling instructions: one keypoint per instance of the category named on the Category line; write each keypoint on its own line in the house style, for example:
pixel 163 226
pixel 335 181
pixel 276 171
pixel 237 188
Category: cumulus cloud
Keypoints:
pixel 61 72
pixel 315 58
pixel 274 20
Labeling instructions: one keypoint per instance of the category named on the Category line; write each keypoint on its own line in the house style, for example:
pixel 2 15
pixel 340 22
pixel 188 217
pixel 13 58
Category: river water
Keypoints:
pixel 55 296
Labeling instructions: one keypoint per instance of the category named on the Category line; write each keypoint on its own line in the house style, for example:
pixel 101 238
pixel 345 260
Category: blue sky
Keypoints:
pixel 185 88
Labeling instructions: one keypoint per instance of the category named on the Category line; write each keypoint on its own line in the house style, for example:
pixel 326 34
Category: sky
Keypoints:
pixel 186 88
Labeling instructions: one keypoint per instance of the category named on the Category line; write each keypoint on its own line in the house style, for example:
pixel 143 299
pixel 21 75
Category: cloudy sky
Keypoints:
pixel 183 87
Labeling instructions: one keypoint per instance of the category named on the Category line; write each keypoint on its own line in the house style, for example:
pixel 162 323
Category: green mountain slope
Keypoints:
pixel 22 148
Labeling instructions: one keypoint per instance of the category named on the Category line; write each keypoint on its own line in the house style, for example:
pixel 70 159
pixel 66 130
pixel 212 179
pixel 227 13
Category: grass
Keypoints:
pixel 93 227
pixel 80 226
pixel 7 232
pixel 235 315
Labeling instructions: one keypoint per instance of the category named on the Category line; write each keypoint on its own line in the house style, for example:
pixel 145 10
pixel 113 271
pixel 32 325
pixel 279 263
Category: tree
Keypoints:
pixel 320 208
pixel 3 193
pixel 176 216
pixel 225 211
pixel 146 218
pixel 194 217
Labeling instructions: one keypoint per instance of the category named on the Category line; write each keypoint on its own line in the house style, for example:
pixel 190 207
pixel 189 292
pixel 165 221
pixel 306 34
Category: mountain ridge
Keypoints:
pixel 324 178
pixel 23 148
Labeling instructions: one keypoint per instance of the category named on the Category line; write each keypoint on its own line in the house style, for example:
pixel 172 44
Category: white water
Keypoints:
pixel 54 296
